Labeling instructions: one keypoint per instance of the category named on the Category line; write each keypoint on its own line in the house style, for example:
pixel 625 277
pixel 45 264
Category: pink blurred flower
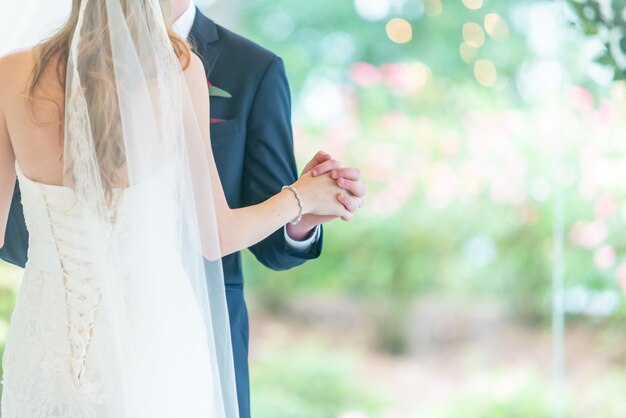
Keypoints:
pixel 605 257
pixel 605 206
pixel 365 75
pixel 606 116
pixel 589 235
pixel 581 99
pixel 406 78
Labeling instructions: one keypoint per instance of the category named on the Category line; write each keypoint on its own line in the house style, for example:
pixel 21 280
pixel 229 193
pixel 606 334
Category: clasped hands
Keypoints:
pixel 350 191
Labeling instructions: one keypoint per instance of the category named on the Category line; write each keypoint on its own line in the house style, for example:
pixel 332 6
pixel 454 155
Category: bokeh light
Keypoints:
pixel 486 73
pixel 433 7
pixel 372 9
pixel 473 34
pixel 278 26
pixel 399 30
pixel 496 27
pixel 467 52
pixel 473 4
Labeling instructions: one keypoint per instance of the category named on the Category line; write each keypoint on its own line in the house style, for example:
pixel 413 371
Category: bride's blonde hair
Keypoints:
pixel 102 100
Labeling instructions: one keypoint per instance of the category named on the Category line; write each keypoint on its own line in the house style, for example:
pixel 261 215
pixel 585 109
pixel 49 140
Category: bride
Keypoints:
pixel 121 313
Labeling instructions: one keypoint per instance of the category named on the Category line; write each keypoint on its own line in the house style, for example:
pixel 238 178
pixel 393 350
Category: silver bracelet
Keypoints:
pixel 300 204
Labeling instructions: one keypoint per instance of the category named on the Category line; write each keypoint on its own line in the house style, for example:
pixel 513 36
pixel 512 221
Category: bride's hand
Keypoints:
pixel 322 196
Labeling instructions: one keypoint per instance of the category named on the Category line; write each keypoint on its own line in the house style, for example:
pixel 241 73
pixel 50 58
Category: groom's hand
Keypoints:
pixel 348 179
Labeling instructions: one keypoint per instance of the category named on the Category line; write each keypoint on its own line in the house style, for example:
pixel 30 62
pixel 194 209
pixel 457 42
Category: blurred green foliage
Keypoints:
pixel 511 394
pixel 309 381
pixel 606 22
pixel 461 177
pixel 8 284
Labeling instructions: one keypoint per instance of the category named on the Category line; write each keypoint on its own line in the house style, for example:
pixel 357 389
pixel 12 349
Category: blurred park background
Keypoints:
pixel 495 154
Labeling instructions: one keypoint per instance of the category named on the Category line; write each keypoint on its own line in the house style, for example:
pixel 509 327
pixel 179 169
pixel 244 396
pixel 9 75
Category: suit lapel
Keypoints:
pixel 202 37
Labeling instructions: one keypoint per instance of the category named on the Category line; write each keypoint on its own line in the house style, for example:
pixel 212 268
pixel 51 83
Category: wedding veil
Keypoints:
pixel 136 158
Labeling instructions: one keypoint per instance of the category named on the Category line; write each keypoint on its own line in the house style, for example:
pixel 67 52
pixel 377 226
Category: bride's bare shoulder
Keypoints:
pixel 18 63
pixel 195 70
pixel 15 69
pixel 195 62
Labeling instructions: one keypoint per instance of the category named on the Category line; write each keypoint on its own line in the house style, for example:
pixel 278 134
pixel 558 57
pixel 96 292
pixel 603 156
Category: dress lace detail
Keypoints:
pixel 58 360
pixel 81 290
pixel 48 372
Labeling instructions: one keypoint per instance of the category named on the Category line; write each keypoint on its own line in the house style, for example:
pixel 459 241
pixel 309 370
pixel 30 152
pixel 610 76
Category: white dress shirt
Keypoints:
pixel 182 26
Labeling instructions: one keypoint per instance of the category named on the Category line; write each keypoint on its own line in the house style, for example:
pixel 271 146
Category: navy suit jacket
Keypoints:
pixel 253 149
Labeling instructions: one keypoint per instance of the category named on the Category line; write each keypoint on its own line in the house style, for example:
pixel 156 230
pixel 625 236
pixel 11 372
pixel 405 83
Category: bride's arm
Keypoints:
pixel 241 228
pixel 7 175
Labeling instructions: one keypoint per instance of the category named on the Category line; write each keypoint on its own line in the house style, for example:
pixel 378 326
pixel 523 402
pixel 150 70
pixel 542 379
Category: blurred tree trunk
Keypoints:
pixel 227 13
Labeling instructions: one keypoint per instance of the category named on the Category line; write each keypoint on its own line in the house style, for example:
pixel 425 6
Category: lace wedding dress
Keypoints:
pixel 58 361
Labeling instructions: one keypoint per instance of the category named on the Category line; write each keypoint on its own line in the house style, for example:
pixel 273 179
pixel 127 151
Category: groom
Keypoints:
pixel 253 148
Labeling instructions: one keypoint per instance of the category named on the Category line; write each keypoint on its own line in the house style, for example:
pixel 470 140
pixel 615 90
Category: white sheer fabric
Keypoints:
pixel 121 315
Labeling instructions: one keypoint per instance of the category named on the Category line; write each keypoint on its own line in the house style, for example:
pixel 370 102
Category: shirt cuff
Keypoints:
pixel 302 246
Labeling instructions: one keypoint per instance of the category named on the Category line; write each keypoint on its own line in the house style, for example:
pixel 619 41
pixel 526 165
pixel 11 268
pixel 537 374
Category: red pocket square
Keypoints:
pixel 216 120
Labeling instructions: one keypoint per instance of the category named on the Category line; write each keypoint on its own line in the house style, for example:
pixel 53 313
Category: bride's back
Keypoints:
pixel 35 126
pixel 32 88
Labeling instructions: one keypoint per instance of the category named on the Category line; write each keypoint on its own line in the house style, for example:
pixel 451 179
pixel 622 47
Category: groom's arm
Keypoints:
pixel 270 164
